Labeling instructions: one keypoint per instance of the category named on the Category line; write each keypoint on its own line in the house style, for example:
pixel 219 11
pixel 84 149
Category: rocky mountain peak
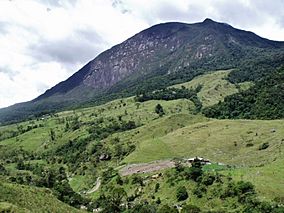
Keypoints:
pixel 208 21
pixel 155 57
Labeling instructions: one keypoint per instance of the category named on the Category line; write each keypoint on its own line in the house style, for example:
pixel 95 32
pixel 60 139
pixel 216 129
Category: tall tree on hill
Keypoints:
pixel 159 110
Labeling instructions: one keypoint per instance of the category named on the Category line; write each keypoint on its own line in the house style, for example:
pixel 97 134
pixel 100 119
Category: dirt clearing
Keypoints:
pixel 146 167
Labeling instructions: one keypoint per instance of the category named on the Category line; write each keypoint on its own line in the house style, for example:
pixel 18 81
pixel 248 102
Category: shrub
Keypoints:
pixel 208 179
pixel 192 173
pixel 158 201
pixel 263 146
pixel 137 180
pixel 181 193
pixel 157 186
pixel 159 110
pixel 249 144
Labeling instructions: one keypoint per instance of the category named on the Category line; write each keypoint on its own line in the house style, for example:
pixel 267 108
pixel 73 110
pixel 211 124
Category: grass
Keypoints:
pixel 81 183
pixel 30 141
pixel 222 141
pixel 214 167
pixel 38 140
pixel 226 141
pixel 20 198
pixel 142 113
pixel 268 178
pixel 215 87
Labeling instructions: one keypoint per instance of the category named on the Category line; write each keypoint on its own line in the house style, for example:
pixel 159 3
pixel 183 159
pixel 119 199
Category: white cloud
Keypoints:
pixel 43 42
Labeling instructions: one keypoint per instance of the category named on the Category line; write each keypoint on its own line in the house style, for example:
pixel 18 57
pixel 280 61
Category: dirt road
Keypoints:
pixel 96 187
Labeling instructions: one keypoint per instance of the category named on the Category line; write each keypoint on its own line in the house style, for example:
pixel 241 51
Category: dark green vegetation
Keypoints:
pixel 163 55
pixel 264 100
pixel 172 94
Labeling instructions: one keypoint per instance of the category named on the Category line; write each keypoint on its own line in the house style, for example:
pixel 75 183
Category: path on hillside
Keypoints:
pixel 96 186
pixel 146 167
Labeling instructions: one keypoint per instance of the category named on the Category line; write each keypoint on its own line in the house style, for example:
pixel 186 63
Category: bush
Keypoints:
pixel 159 110
pixel 263 146
pixel 158 201
pixel 193 173
pixel 20 165
pixel 181 193
pixel 157 186
pixel 137 180
pixel 208 179
pixel 245 187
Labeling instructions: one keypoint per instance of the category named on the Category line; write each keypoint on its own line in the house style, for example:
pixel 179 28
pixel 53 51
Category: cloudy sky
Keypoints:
pixel 42 42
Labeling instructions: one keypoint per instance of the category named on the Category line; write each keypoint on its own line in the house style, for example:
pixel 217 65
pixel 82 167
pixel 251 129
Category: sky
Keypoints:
pixel 43 42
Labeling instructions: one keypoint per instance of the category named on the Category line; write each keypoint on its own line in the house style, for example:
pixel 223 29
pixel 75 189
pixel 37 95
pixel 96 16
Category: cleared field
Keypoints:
pixel 234 142
pixel 215 87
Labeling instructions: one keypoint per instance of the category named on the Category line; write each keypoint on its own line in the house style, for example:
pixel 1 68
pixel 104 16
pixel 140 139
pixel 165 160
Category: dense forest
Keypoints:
pixel 172 94
pixel 265 100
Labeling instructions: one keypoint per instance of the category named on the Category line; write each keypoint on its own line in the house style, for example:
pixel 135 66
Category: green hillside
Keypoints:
pixel 230 142
pixel 215 87
pixel 20 198
pixel 73 158
pixel 264 100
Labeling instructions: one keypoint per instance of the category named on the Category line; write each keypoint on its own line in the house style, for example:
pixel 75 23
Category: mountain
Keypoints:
pixel 162 55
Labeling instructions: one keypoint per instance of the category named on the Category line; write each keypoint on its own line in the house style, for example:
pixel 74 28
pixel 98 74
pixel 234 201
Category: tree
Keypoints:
pixel 157 186
pixel 178 165
pixel 113 201
pixel 181 193
pixel 20 165
pixel 159 110
pixel 108 174
pixel 208 179
pixel 136 179
pixel 192 173
pixel 119 180
pixel 52 134
pixel 195 171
